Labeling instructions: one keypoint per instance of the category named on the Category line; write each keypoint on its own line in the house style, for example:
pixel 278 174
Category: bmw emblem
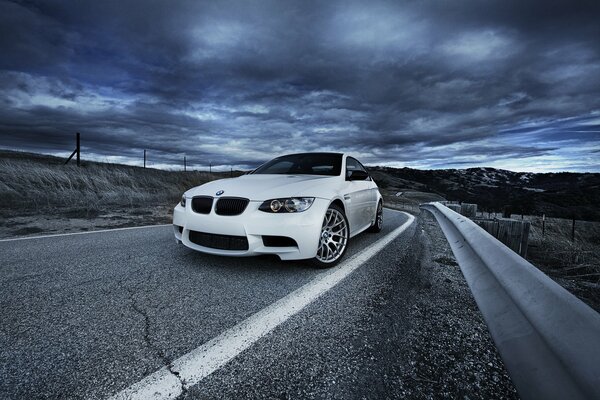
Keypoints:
pixel 220 192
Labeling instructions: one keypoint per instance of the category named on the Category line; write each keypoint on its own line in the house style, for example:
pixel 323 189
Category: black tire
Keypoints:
pixel 378 224
pixel 333 240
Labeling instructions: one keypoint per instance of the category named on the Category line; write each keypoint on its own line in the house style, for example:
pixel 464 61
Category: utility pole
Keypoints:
pixel 144 158
pixel 210 167
pixel 184 165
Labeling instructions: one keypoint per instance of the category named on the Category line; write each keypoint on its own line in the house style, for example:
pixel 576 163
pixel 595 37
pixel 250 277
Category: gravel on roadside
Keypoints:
pixel 451 353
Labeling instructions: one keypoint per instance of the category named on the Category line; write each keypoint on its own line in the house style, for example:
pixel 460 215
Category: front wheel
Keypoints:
pixel 378 224
pixel 333 239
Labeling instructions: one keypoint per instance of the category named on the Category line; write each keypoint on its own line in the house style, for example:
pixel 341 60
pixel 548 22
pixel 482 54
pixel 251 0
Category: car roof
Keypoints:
pixel 312 152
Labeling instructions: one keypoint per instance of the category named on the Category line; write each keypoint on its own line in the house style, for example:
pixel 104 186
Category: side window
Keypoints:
pixel 352 165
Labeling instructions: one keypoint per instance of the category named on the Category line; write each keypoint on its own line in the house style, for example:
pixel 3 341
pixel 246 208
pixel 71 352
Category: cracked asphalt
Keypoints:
pixel 85 316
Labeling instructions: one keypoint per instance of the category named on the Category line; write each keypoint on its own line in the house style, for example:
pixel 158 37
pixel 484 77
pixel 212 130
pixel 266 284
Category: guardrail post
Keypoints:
pixel 468 210
pixel 454 207
pixel 513 233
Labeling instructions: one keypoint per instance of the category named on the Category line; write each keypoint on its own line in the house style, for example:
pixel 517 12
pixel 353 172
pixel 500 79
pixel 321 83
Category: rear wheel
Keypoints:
pixel 378 224
pixel 333 239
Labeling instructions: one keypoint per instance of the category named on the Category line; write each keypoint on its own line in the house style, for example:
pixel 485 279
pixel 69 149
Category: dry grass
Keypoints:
pixel 36 185
pixel 556 250
pixel 575 263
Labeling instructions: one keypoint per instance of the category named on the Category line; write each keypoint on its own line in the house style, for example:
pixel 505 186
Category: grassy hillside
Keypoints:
pixel 33 183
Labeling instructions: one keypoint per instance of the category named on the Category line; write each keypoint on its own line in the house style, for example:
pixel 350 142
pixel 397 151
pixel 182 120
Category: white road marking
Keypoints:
pixel 83 233
pixel 209 357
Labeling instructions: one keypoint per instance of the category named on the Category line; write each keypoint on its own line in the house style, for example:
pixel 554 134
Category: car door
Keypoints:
pixel 370 205
pixel 371 208
pixel 357 197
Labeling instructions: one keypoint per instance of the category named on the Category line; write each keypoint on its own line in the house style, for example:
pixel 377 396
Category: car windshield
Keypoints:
pixel 303 164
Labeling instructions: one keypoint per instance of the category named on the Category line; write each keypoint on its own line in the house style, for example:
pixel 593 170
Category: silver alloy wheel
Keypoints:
pixel 379 219
pixel 334 236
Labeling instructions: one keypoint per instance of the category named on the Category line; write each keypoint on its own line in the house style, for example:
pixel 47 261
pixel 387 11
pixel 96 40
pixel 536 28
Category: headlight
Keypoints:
pixel 287 205
pixel 182 202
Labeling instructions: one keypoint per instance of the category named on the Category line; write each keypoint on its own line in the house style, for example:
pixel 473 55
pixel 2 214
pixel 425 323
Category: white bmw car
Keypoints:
pixel 298 206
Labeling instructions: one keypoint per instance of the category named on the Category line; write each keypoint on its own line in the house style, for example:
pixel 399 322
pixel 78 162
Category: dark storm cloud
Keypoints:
pixel 511 84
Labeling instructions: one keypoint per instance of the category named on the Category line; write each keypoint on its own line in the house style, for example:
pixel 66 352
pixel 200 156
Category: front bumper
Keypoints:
pixel 303 227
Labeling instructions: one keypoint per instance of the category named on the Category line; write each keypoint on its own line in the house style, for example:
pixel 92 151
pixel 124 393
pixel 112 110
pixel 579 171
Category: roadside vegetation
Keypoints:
pixel 40 194
pixel 574 262
pixel 38 185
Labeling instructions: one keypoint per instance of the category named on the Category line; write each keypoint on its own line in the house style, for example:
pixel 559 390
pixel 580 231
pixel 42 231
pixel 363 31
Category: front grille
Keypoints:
pixel 221 242
pixel 279 241
pixel 202 204
pixel 231 205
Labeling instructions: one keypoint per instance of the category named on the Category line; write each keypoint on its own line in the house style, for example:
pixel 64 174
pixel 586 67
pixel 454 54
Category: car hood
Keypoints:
pixel 262 187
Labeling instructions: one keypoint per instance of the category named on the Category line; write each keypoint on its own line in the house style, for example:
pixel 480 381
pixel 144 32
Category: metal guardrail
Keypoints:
pixel 548 339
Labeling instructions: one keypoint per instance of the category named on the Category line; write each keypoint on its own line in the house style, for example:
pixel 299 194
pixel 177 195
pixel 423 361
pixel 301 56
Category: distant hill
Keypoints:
pixel 563 194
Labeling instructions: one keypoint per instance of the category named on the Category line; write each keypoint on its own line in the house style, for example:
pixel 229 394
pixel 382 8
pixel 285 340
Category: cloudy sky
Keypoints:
pixel 424 84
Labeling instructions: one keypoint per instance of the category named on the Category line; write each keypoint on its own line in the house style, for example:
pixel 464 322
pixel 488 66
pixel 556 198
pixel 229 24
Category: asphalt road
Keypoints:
pixel 86 316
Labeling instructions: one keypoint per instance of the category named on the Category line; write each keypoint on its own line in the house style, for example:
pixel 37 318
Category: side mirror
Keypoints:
pixel 358 175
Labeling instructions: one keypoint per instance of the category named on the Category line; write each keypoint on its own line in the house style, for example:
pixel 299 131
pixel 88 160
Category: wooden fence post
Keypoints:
pixel 543 224
pixel 77 151
pixel 524 239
